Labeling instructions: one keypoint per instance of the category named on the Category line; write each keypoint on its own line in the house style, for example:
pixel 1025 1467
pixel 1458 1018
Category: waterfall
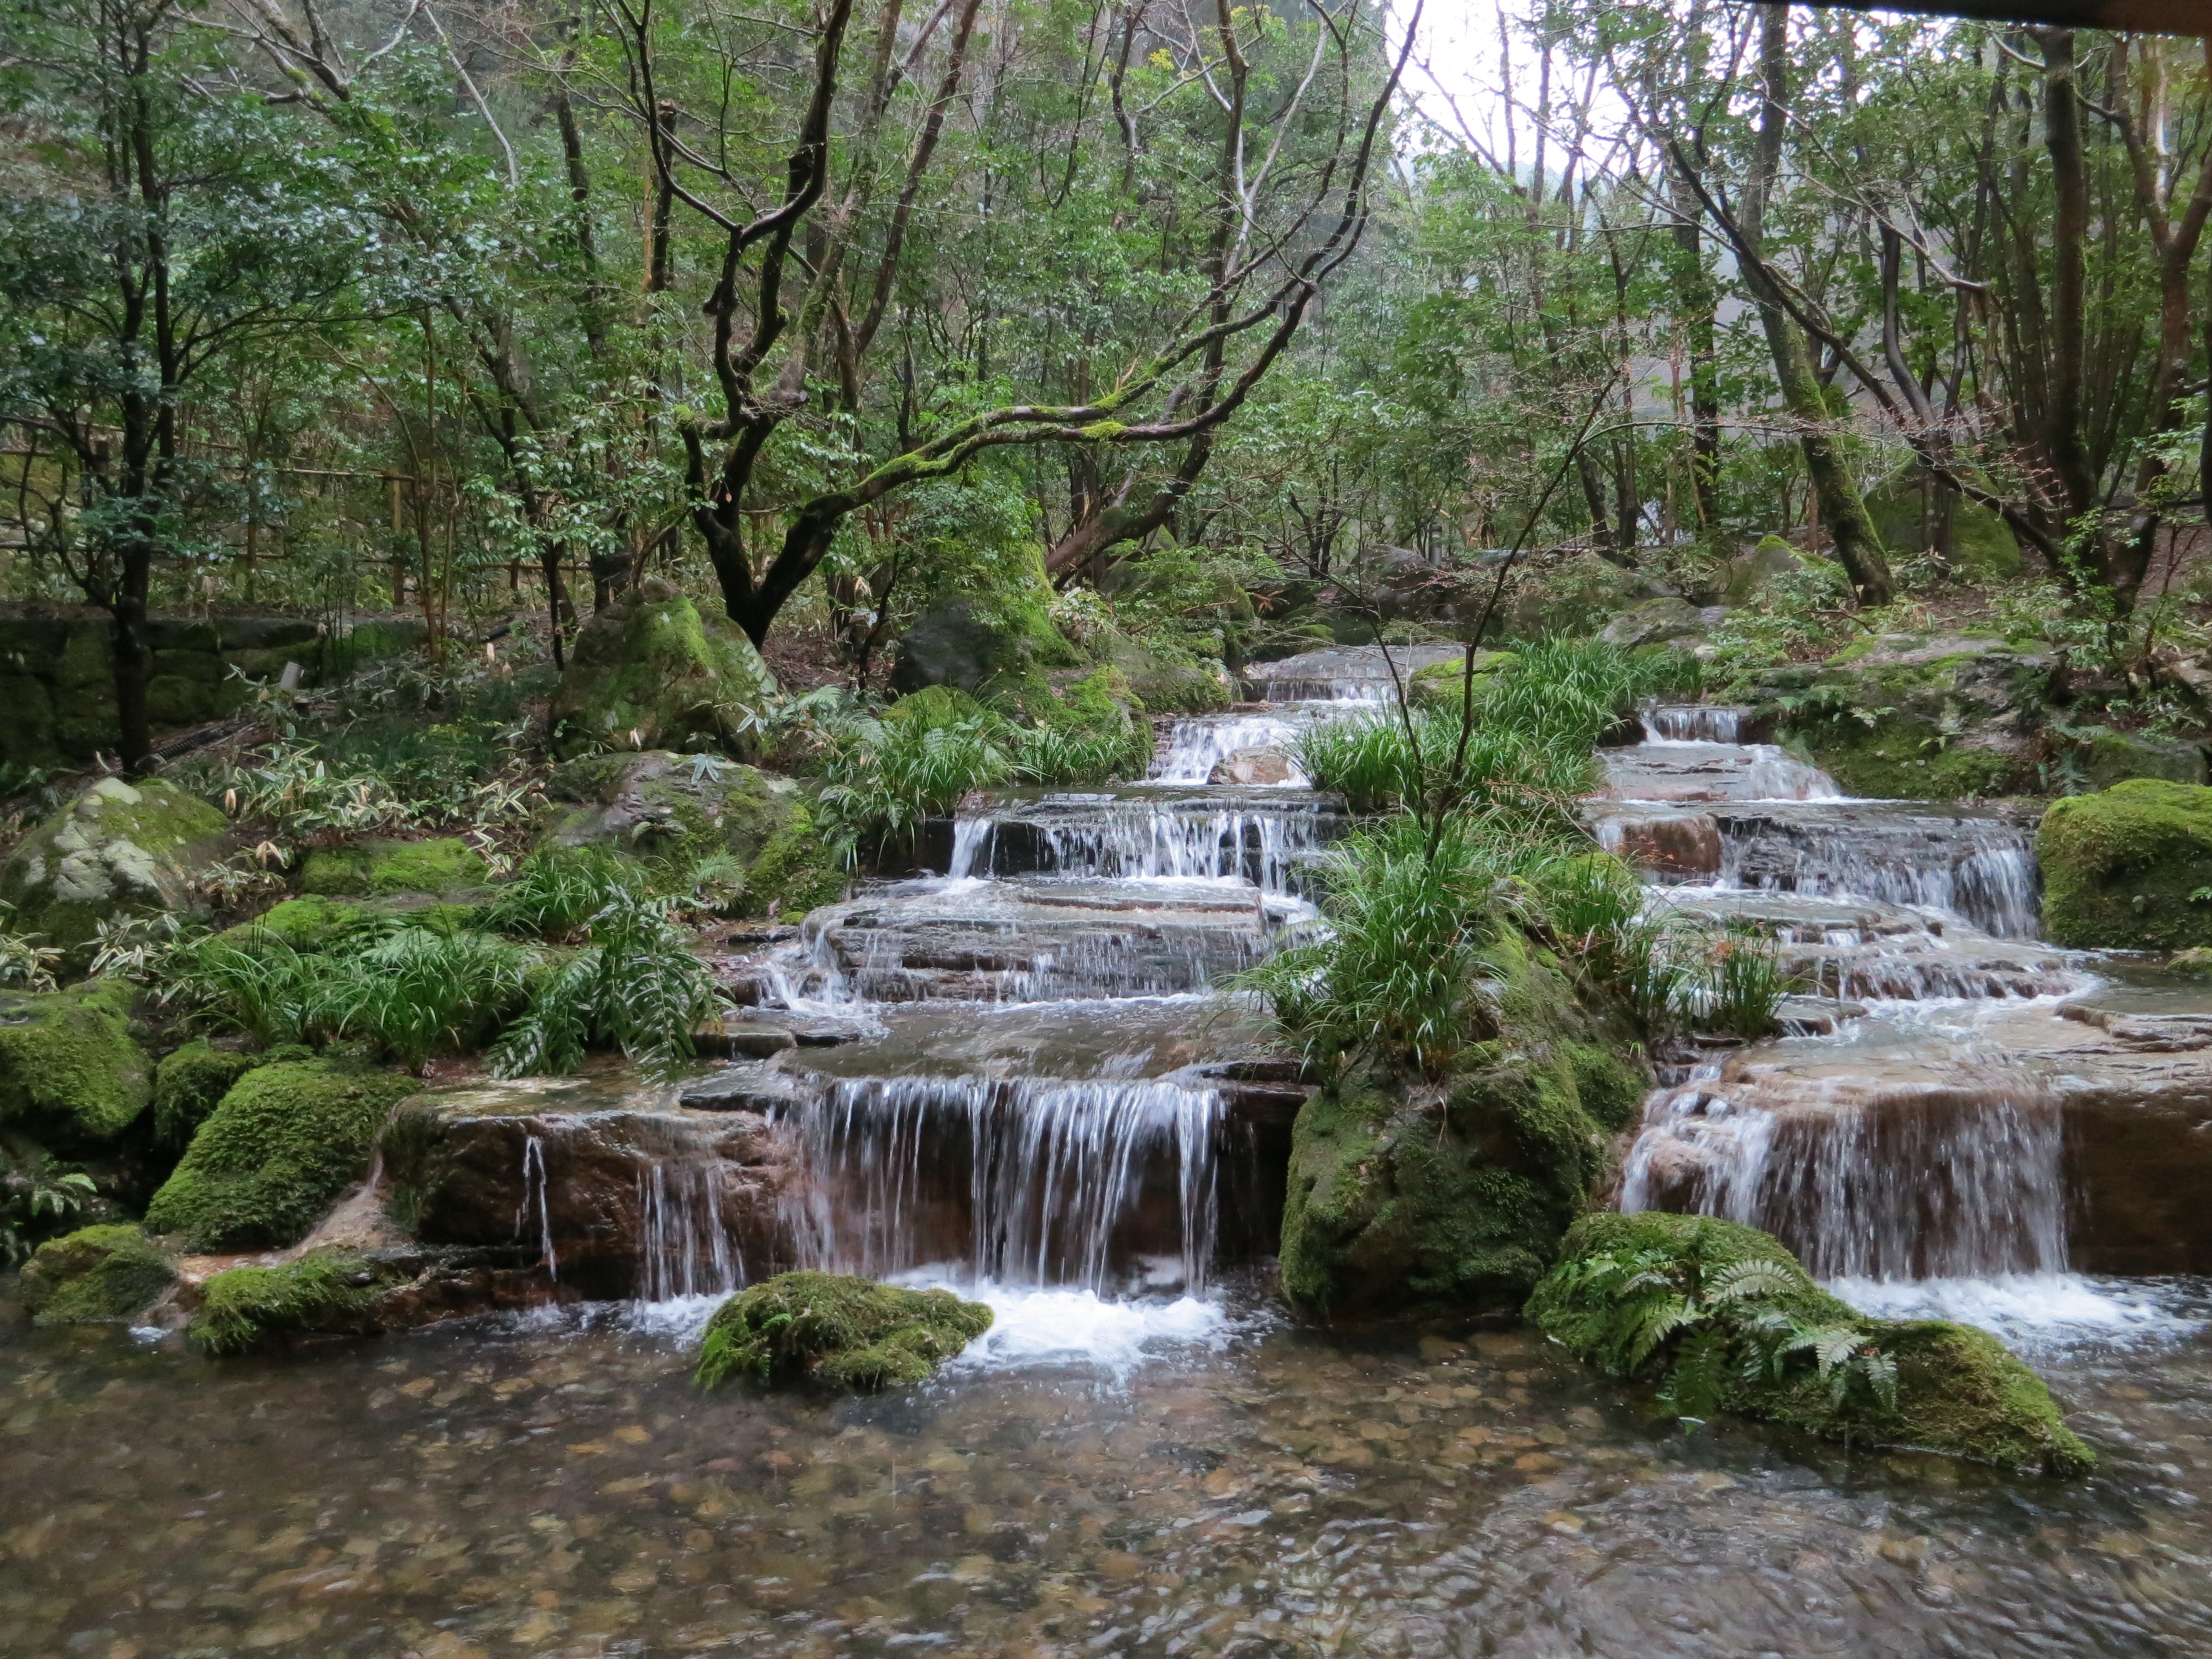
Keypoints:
pixel 534 1182
pixel 1195 747
pixel 1119 840
pixel 683 1248
pixel 1696 722
pixel 1940 1186
pixel 1981 869
pixel 1025 1181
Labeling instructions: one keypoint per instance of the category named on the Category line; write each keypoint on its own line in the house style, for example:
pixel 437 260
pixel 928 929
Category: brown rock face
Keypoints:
pixel 623 1197
pixel 1671 846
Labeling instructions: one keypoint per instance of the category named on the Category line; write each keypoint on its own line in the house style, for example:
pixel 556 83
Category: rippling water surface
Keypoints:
pixel 1185 1481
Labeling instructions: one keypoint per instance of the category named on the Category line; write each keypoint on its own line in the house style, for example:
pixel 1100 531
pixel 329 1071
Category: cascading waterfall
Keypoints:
pixel 1983 870
pixel 534 1198
pixel 1141 840
pixel 1695 722
pixel 683 1248
pixel 1950 1187
pixel 1195 747
pixel 1026 1181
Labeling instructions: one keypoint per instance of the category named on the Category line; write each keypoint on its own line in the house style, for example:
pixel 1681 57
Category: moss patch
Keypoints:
pixel 247 1307
pixel 69 1070
pixel 95 1276
pixel 312 923
pixel 1453 1199
pixel 1957 1390
pixel 668 809
pixel 795 872
pixel 2119 867
pixel 379 869
pixel 190 1083
pixel 650 672
pixel 285 1142
pixel 835 1330
pixel 118 848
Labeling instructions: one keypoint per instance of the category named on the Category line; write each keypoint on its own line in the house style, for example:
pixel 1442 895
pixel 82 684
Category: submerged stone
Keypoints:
pixel 283 1143
pixel 242 1308
pixel 2123 870
pixel 116 849
pixel 95 1276
pixel 840 1331
pixel 69 1070
pixel 1721 1316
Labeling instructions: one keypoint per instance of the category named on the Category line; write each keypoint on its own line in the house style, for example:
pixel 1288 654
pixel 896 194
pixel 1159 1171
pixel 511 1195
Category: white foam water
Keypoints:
pixel 1066 1327
pixel 1195 747
pixel 2040 1311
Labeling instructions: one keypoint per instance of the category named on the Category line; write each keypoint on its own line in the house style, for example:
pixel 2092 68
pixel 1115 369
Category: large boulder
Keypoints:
pixel 442 867
pixel 70 1072
pixel 668 807
pixel 650 672
pixel 2100 757
pixel 1663 621
pixel 2129 868
pixel 1712 1312
pixel 285 1141
pixel 119 848
pixel 1452 1198
pixel 986 646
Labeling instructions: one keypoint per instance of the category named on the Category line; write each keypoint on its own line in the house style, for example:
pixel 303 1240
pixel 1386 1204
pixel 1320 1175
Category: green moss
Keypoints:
pixel 650 671
pixel 312 923
pixel 189 1083
pixel 445 864
pixel 1440 685
pixel 246 1307
pixel 835 1330
pixel 286 1140
pixel 1957 1390
pixel 1905 759
pixel 1405 1198
pixel 95 1276
pixel 118 848
pixel 2103 757
pixel 2120 867
pixel 795 872
pixel 69 1069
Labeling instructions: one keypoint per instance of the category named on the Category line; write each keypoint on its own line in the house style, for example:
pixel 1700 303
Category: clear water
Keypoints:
pixel 1096 1478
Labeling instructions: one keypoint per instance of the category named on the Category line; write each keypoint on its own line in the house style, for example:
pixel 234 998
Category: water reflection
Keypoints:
pixel 552 1486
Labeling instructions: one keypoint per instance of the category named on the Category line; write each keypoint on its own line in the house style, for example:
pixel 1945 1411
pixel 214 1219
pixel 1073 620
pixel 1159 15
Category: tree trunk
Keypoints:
pixel 132 657
pixel 1694 303
pixel 1858 549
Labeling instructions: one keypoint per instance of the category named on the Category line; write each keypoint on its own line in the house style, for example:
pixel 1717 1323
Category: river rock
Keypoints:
pixel 117 848
pixel 1253 766
pixel 620 1192
pixel 2103 757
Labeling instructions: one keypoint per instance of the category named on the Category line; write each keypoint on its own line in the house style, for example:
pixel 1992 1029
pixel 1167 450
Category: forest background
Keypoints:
pixel 1232 329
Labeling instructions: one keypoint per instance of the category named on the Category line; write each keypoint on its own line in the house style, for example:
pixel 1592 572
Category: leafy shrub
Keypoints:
pixel 892 775
pixel 557 891
pixel 638 986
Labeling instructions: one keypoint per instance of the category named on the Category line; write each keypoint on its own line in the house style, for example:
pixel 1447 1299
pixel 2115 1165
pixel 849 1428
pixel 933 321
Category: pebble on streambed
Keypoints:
pixel 835 1329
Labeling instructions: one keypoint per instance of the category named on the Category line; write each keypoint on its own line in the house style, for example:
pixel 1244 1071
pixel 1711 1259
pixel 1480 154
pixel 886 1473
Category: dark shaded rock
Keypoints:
pixel 980 646
pixel 652 672
pixel 663 806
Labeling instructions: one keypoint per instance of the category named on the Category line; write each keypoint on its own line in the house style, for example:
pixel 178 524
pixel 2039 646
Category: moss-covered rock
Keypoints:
pixel 667 808
pixel 2101 757
pixel 1171 682
pixel 95 1276
pixel 1955 1389
pixel 835 1330
pixel 984 644
pixel 117 848
pixel 1453 1198
pixel 441 866
pixel 315 921
pixel 285 1142
pixel 2120 868
pixel 1442 685
pixel 328 1290
pixel 190 1082
pixel 652 672
pixel 70 1072
pixel 796 871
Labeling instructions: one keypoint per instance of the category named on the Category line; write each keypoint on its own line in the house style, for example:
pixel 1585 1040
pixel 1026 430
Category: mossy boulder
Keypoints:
pixel 1442 685
pixel 71 1072
pixel 285 1143
pixel 190 1082
pixel 2120 868
pixel 313 921
pixel 985 644
pixel 321 1292
pixel 837 1331
pixel 2100 757
pixel 668 808
pixel 1169 682
pixel 1451 1198
pixel 797 871
pixel 653 671
pixel 118 849
pixel 441 866
pixel 1956 1390
pixel 95 1276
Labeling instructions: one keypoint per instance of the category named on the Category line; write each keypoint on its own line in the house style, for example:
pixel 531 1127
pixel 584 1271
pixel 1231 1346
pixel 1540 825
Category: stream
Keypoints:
pixel 1012 1078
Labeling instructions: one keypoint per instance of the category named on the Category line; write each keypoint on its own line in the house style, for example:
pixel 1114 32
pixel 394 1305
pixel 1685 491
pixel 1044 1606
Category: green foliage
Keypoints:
pixel 285 1142
pixel 837 1331
pixel 95 1275
pixel 637 985
pixel 1721 1318
pixel 39 1201
pixel 379 869
pixel 915 764
pixel 245 1308
pixel 557 891
pixel 300 793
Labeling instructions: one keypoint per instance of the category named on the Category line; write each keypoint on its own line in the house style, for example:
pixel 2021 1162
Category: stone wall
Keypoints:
pixel 57 673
